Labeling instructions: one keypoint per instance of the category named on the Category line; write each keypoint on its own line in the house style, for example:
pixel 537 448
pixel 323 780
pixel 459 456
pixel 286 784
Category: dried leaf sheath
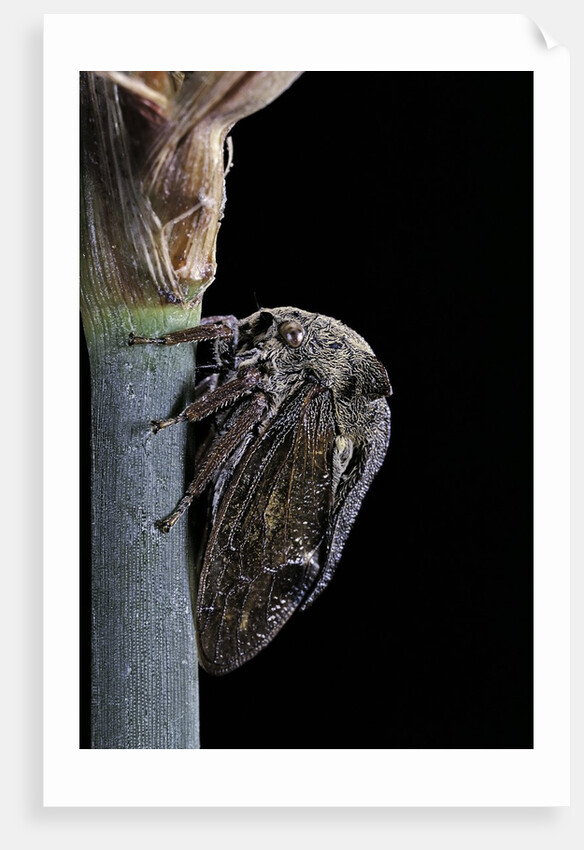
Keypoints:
pixel 155 169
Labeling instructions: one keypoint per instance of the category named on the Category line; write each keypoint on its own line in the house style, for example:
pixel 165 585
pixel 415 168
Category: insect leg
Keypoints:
pixel 203 332
pixel 218 452
pixel 222 396
pixel 222 331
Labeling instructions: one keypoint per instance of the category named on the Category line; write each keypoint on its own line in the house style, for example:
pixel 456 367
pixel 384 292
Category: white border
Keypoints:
pixel 74 777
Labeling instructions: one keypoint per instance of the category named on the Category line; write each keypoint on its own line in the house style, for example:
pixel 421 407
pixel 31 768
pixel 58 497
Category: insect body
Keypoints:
pixel 299 425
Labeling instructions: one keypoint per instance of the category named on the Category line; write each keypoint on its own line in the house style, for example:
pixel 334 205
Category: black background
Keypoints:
pixel 401 203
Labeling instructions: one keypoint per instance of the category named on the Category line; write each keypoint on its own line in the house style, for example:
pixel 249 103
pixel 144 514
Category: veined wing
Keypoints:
pixel 268 537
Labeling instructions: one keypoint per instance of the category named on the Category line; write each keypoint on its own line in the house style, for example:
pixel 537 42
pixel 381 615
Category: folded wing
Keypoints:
pixel 268 537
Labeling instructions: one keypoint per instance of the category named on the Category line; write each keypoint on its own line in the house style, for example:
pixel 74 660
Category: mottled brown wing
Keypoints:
pixel 267 540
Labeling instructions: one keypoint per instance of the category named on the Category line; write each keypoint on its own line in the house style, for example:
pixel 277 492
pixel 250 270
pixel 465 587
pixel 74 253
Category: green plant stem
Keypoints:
pixel 144 661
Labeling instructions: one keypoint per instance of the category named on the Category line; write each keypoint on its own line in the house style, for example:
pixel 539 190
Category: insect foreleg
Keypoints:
pixel 202 333
pixel 218 452
pixel 223 396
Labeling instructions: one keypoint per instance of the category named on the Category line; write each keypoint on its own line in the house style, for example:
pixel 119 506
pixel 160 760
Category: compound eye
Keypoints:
pixel 292 333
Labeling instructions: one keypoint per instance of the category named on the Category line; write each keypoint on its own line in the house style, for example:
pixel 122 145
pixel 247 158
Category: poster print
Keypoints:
pixel 415 227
